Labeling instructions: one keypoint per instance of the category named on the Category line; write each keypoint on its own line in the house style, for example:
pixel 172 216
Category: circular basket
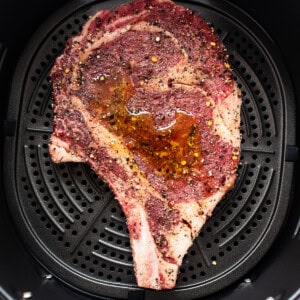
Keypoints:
pixel 69 219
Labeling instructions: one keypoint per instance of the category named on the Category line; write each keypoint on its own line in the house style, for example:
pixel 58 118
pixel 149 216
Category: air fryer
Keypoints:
pixel 64 236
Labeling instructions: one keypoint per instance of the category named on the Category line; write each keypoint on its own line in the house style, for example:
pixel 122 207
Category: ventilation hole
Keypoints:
pixel 223 235
pixel 208 229
pixel 202 273
pixel 216 240
pixel 234 205
pixel 248 231
pixel 244 190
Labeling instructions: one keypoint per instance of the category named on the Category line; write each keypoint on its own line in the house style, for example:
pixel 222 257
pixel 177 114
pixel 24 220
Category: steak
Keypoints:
pixel 145 95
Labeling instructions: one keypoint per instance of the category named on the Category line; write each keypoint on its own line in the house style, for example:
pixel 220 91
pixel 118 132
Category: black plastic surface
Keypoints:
pixel 278 156
pixel 292 153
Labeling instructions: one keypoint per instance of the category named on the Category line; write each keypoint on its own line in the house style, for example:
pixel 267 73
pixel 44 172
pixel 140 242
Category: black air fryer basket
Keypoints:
pixel 74 231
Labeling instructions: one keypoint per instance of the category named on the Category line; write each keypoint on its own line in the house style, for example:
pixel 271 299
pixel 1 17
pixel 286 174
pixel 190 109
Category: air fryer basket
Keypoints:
pixel 69 219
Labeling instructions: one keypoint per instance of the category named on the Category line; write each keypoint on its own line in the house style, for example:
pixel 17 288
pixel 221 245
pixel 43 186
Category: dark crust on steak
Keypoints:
pixel 160 81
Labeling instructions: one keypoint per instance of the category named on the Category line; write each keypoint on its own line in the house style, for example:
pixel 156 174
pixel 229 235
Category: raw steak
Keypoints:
pixel 145 95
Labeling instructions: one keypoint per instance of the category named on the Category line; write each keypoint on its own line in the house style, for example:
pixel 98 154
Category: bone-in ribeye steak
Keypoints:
pixel 145 95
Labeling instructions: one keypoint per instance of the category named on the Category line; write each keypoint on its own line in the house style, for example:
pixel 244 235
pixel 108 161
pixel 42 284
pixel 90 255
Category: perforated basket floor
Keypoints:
pixel 69 218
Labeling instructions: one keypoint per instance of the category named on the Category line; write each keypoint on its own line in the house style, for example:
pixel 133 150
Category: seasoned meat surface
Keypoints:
pixel 145 96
